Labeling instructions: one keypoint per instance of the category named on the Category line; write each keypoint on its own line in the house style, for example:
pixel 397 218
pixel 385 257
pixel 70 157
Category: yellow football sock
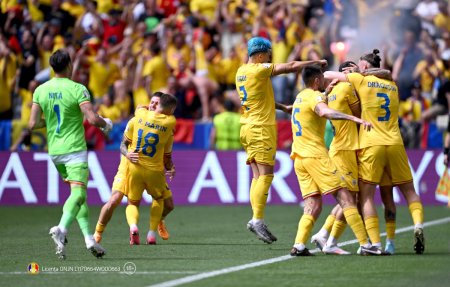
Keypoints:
pixel 328 225
pixel 338 228
pixel 100 227
pixel 356 224
pixel 252 191
pixel 155 213
pixel 305 225
pixel 261 191
pixel 416 210
pixel 132 213
pixel 373 229
pixel 390 229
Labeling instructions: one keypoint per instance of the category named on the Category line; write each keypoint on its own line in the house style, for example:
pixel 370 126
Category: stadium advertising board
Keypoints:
pixel 203 177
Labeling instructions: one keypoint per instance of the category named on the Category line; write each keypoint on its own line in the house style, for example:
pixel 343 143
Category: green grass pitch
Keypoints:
pixel 210 238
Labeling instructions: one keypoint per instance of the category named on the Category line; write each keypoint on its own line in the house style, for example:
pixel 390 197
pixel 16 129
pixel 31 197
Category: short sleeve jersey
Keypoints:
pixel 60 100
pixel 308 129
pixel 256 93
pixel 379 106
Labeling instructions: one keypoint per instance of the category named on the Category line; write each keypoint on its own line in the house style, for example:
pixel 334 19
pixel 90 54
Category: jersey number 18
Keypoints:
pixel 147 143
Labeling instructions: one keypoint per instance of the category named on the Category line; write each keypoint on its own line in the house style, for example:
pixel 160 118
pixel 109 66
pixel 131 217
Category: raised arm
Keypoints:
pixel 331 75
pixel 379 73
pixel 323 110
pixel 295 66
pixel 285 108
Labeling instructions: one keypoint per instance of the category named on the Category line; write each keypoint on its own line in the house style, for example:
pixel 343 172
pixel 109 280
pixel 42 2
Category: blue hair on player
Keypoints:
pixel 258 45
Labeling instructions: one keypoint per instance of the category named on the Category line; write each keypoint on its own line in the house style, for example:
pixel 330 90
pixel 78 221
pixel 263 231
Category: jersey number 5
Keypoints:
pixel 385 107
pixel 147 143
pixel 296 122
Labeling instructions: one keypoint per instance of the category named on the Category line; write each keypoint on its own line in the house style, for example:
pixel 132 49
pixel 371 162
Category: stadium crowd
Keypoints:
pixel 124 51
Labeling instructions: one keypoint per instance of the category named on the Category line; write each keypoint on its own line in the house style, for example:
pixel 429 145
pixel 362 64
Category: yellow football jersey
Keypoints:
pixel 308 129
pixel 379 105
pixel 256 93
pixel 345 132
pixel 151 135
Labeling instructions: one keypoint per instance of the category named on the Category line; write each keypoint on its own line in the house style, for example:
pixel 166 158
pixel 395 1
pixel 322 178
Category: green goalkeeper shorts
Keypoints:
pixel 74 173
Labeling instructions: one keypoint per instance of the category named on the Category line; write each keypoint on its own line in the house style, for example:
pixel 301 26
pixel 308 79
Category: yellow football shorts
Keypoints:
pixel 260 143
pixel 317 176
pixel 120 182
pixel 347 164
pixel 140 179
pixel 375 160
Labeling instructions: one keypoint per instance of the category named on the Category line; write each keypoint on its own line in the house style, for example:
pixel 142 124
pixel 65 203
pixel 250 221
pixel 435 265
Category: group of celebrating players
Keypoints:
pixel 359 94
pixel 356 163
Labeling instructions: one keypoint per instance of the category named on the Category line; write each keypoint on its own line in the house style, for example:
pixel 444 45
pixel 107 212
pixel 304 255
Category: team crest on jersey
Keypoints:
pixel 319 99
pixel 267 66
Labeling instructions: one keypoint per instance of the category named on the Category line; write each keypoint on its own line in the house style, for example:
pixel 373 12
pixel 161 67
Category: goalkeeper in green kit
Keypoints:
pixel 62 103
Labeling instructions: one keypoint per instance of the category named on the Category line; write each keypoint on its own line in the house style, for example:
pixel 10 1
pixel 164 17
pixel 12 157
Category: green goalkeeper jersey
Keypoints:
pixel 60 100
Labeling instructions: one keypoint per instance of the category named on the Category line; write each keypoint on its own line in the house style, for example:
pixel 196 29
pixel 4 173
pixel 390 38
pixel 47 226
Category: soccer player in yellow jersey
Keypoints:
pixel 258 133
pixel 382 150
pixel 150 135
pixel 316 173
pixel 119 188
pixel 343 154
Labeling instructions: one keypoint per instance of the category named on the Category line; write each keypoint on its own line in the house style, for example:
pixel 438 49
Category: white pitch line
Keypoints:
pixel 204 275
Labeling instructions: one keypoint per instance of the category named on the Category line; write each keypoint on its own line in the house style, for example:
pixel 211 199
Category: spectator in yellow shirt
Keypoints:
pixel 155 71
pixel 204 10
pixel 177 51
pixel 107 109
pixel 102 74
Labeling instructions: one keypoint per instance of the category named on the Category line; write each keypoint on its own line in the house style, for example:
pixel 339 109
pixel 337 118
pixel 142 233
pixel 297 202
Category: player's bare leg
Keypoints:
pixel 106 214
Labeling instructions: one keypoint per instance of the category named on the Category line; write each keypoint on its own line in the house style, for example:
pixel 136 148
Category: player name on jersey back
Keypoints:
pixel 153 126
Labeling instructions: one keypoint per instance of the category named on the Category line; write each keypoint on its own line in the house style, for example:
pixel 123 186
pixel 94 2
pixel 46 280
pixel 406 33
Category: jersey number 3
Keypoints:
pixel 296 122
pixel 147 143
pixel 385 107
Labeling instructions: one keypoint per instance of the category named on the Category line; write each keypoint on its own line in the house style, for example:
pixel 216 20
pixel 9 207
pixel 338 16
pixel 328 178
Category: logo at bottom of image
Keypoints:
pixel 33 268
